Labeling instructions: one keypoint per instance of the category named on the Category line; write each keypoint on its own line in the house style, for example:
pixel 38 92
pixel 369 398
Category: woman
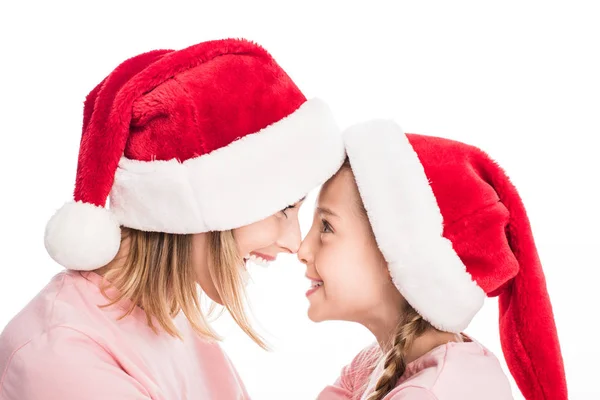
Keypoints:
pixel 203 154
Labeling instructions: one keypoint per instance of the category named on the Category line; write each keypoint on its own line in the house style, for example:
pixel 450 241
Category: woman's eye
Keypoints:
pixel 325 227
pixel 287 208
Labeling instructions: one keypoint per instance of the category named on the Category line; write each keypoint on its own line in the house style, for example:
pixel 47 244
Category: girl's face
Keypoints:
pixel 349 275
pixel 259 243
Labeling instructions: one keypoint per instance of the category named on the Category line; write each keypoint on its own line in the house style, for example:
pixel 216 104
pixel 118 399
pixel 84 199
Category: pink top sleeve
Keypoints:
pixel 63 346
pixel 354 377
pixel 68 365
pixel 464 370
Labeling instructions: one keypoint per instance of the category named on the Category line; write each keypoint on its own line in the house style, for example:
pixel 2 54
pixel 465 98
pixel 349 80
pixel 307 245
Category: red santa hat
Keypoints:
pixel 453 230
pixel 208 138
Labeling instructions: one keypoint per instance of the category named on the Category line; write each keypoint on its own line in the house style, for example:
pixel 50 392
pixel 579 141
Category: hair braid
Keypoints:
pixel 412 326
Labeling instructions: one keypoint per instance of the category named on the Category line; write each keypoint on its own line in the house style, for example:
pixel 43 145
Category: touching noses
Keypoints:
pixel 305 252
pixel 291 237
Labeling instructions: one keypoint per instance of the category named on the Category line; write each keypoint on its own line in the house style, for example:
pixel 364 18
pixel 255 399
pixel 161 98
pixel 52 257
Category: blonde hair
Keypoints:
pixel 411 327
pixel 158 276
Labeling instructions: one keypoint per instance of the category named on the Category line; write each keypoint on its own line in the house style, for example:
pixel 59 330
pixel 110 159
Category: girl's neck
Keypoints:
pixel 429 341
pixel 384 329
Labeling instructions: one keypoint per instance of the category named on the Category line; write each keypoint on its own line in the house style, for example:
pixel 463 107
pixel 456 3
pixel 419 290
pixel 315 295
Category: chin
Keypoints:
pixel 216 298
pixel 313 317
pixel 212 293
pixel 316 315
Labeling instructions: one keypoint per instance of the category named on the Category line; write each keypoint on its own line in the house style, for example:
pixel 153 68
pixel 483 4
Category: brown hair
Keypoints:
pixel 362 212
pixel 412 326
pixel 158 275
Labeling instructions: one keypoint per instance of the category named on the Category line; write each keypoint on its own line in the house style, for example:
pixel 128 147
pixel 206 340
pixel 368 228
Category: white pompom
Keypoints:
pixel 82 236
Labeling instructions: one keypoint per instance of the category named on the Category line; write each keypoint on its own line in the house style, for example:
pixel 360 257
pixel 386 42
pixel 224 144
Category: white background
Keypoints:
pixel 519 79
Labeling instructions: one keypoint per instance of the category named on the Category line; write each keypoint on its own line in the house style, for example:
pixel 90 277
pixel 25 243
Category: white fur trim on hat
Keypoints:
pixel 408 226
pixel 242 183
pixel 82 236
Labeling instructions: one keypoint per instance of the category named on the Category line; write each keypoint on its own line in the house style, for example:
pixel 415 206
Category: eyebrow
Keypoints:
pixel 325 210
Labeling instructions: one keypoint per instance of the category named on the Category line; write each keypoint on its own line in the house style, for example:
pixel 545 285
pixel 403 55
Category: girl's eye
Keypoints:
pixel 287 208
pixel 326 227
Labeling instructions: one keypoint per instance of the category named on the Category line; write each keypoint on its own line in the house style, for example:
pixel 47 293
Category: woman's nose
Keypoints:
pixel 291 238
pixel 304 252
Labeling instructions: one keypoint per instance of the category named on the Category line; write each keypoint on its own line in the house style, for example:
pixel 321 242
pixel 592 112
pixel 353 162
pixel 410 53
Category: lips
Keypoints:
pixel 315 285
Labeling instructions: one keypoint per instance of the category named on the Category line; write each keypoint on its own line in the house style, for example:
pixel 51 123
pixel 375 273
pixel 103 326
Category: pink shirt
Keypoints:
pixel 454 371
pixel 62 346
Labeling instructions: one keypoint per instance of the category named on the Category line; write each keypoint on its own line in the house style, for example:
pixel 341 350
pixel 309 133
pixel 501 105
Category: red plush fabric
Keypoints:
pixel 167 104
pixel 486 221
pixel 98 158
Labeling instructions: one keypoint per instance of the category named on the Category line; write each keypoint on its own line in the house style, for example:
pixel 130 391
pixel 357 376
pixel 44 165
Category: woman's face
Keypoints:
pixel 262 241
pixel 349 276
pixel 259 243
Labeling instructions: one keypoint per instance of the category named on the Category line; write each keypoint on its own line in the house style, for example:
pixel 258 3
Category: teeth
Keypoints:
pixel 259 260
pixel 314 284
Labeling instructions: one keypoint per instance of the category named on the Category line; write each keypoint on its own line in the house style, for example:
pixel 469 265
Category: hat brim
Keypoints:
pixel 408 226
pixel 242 183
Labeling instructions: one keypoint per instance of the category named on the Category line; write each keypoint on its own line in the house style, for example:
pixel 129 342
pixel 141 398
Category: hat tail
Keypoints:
pixel 527 328
pixel 83 234
pixel 105 132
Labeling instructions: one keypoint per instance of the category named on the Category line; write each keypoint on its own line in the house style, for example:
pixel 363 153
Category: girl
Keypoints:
pixel 177 139
pixel 408 238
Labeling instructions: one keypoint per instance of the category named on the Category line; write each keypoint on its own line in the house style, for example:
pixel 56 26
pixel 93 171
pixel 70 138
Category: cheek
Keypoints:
pixel 257 236
pixel 354 290
pixel 352 281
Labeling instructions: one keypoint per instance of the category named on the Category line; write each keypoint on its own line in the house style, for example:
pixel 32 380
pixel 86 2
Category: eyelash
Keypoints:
pixel 326 227
pixel 287 208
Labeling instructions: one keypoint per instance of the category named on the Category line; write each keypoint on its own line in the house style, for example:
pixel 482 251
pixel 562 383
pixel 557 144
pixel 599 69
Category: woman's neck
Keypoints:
pixel 119 259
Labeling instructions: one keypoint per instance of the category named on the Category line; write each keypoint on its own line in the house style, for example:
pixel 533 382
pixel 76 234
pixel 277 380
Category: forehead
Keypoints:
pixel 340 191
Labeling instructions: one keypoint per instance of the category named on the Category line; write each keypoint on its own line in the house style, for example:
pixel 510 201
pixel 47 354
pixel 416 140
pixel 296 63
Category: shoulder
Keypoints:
pixel 68 364
pixel 56 353
pixel 475 369
pixel 50 318
pixel 457 369
pixel 34 318
pixel 367 357
pixel 469 360
pixel 57 344
pixel 355 375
